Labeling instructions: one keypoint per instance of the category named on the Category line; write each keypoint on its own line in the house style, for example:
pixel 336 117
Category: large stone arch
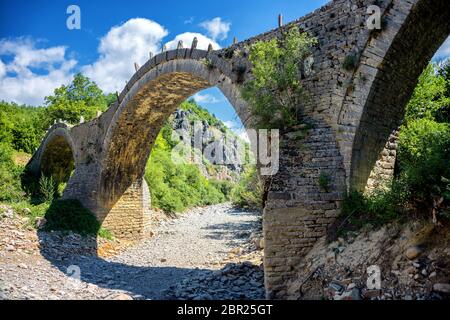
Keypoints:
pixel 411 47
pixel 147 102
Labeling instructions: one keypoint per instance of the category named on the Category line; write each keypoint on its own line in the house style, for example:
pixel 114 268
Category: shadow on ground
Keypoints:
pixel 234 232
pixel 68 253
pixel 137 281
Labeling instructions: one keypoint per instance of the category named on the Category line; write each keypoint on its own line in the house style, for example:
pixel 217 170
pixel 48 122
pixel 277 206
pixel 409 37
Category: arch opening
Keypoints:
pixel 424 31
pixel 58 161
pixel 141 115
pixel 198 156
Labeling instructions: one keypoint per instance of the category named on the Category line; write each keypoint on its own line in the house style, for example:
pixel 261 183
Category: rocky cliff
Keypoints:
pixel 218 152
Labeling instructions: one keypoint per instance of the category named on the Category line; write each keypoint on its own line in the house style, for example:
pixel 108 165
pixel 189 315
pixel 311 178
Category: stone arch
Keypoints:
pixel 418 38
pixel 150 97
pixel 57 155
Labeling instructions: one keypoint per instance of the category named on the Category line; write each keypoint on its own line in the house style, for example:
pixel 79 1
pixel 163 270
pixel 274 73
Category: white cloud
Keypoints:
pixel 216 28
pixel 187 37
pixel 2 69
pixel 120 48
pixel 189 21
pixel 29 73
pixel 33 73
pixel 230 124
pixel 205 98
pixel 444 51
pixel 238 129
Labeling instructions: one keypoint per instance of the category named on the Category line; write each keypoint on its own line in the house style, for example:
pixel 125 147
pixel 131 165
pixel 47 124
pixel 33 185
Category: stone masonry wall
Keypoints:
pixel 299 209
pixel 383 172
pixel 127 220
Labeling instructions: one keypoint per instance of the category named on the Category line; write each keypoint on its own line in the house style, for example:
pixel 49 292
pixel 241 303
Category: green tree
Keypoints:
pixel 21 126
pixel 80 98
pixel 249 191
pixel 431 96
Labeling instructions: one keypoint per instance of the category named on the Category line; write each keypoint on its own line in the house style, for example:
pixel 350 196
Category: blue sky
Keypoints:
pixel 39 53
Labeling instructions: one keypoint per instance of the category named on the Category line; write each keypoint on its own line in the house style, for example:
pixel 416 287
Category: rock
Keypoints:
pixel 9 213
pixel 262 243
pixel 334 289
pixel 370 294
pixel 331 257
pixel 119 296
pixel 411 270
pixel 432 275
pixel 441 288
pixel 40 223
pixel 353 295
pixel 413 252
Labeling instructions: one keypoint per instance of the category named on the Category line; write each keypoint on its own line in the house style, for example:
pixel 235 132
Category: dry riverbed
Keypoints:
pixel 207 253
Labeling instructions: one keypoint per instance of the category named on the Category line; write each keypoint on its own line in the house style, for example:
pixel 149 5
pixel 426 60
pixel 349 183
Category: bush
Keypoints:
pixel 431 97
pixel 275 94
pixel 350 62
pixel 70 215
pixel 32 212
pixel 10 186
pixel 424 158
pixel 47 188
pixel 249 191
pixel 175 188
pixel 377 209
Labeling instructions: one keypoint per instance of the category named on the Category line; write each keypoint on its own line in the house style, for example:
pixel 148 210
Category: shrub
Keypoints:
pixel 10 187
pixel 350 62
pixel 70 215
pixel 249 191
pixel 424 157
pixel 375 209
pixel 47 188
pixel 32 212
pixel 324 181
pixel 275 94
pixel 431 97
pixel 175 188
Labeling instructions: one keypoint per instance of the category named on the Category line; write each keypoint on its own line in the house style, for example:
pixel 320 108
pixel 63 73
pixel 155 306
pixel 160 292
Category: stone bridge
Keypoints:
pixel 355 113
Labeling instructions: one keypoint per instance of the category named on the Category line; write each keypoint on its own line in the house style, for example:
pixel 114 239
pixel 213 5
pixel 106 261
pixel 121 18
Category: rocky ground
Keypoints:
pixel 207 253
pixel 412 260
pixel 215 253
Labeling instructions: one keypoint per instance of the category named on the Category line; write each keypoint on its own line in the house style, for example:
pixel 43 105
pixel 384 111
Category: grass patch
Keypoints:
pixel 360 211
pixel 70 215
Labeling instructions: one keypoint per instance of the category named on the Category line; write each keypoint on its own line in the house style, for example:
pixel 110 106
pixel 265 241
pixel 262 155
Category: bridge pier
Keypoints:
pixel 129 219
pixel 303 200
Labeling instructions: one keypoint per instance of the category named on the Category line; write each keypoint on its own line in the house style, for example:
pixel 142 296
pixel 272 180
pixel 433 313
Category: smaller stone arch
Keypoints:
pixel 56 157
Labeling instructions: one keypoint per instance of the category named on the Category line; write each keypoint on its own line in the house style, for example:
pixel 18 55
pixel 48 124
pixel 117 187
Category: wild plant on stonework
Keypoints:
pixel 275 94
